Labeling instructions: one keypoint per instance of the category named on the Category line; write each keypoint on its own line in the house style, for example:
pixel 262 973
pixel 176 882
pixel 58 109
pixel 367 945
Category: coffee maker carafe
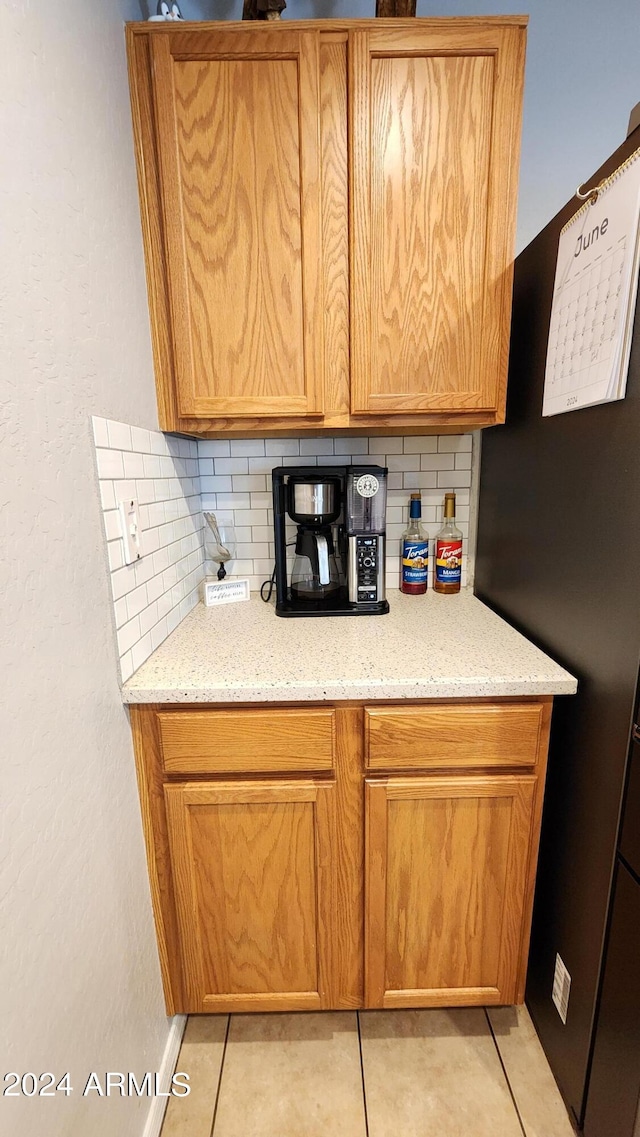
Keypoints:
pixel 339 514
pixel 314 505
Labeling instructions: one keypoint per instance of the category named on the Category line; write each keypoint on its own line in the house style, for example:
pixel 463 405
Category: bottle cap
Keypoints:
pixel 449 505
pixel 415 505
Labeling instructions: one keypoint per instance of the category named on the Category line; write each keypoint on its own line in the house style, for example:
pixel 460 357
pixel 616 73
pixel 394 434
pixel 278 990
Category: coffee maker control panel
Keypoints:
pixel 368 564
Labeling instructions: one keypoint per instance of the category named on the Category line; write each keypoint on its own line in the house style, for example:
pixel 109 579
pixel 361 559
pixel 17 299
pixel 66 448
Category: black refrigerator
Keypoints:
pixel 558 555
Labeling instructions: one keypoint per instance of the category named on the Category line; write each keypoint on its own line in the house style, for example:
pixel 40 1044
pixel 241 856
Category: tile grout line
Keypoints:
pixel 224 1055
pixel 364 1089
pixel 504 1071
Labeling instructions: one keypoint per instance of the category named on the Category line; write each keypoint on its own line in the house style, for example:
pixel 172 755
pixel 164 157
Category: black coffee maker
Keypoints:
pixel 338 566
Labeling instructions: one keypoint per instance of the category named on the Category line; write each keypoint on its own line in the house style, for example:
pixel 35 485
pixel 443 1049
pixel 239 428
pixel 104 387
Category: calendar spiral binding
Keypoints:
pixel 590 196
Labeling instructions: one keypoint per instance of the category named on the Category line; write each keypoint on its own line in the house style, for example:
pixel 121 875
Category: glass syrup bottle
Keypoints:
pixel 415 551
pixel 448 569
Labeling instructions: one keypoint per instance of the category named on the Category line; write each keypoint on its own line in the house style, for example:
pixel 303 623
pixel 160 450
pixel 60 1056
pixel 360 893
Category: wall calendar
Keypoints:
pixel 594 296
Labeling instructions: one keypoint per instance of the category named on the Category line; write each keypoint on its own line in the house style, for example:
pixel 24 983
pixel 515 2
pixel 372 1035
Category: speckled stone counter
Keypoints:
pixel 427 647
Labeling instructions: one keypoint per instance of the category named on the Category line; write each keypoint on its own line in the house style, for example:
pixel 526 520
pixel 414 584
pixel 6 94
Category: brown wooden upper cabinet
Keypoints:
pixel 328 215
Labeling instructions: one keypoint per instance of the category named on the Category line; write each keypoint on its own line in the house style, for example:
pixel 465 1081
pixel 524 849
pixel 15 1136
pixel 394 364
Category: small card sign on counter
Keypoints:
pixel 225 591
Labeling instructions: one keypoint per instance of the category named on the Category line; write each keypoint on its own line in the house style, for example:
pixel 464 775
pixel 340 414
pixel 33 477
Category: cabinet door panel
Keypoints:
pixel 238 139
pixel 446 862
pixel 251 873
pixel 435 123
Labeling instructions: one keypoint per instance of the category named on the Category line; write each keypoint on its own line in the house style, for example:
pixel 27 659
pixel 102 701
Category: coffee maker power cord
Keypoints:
pixel 269 585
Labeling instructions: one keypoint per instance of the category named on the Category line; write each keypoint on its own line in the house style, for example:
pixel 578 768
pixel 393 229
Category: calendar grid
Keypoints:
pixel 594 294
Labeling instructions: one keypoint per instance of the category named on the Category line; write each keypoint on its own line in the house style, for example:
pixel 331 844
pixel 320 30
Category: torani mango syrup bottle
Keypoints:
pixel 415 551
pixel 448 571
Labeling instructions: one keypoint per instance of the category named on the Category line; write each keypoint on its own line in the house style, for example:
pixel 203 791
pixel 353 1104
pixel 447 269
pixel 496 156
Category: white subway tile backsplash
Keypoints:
pixel 115 555
pixel 437 461
pixel 231 465
pixel 100 432
pixel 141 651
pixel 419 479
pixel 140 440
pixel 122 581
pixel 137 600
pixel 315 446
pixel 297 460
pixel 452 443
pixel 233 501
pixel 217 483
pixel 124 490
pixel 421 444
pixel 463 460
pixel 350 444
pixel 112 525
pixel 107 496
pixel 110 464
pixel 248 482
pixel 385 445
pixel 173 479
pixel 133 465
pixel 120 611
pixel 148 618
pixel 214 448
pixel 119 435
pixel 402 462
pixel 281 447
pixel 128 634
pixel 162 474
pixel 247 447
pixel 158 443
pixel 151 466
pixel 452 479
pixel 261 465
pixel 145 492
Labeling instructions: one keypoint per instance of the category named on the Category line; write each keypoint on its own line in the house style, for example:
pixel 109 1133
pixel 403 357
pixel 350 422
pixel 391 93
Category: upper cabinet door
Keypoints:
pixel 238 141
pixel 435 128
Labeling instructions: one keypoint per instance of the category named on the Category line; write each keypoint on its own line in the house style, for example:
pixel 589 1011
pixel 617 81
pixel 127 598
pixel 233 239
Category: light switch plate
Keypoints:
pixel 130 529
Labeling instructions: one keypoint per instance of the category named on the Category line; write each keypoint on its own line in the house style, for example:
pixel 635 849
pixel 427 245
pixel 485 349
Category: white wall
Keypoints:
pixel 581 82
pixel 79 974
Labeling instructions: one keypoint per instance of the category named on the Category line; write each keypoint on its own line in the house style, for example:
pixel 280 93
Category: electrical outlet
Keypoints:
pixel 130 529
pixel 561 988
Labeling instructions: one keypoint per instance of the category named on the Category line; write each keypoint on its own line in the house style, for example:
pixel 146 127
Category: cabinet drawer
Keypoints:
pixel 449 736
pixel 265 741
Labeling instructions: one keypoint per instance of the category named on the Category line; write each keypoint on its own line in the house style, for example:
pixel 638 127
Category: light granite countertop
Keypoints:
pixel 427 647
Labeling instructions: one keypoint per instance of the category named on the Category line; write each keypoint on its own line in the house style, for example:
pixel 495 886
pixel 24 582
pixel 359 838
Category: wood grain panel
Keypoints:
pixel 346 971
pixel 534 844
pixel 252 741
pixel 238 134
pixel 448 887
pixel 453 736
pixel 249 865
pixel 335 227
pixel 432 189
pixel 150 194
pixel 148 754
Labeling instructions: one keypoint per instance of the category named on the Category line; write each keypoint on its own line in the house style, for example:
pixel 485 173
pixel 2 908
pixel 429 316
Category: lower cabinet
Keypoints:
pixel 345 885
pixel 253 889
pixel 446 865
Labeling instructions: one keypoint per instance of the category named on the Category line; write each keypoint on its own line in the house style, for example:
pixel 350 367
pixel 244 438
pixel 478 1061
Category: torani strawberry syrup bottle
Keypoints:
pixel 415 551
pixel 448 570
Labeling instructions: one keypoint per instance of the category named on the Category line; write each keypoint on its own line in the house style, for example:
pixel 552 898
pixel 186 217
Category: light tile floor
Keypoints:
pixel 436 1073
